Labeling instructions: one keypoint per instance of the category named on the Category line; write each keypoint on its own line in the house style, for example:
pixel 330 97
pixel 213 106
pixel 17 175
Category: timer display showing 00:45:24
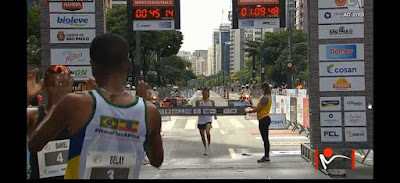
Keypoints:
pixel 259 12
pixel 153 14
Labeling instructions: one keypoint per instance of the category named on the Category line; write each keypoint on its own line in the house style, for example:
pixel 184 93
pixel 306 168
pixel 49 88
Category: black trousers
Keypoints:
pixel 263 125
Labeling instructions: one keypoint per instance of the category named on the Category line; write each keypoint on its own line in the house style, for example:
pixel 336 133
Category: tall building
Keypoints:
pixel 215 42
pixel 237 50
pixel 291 13
pixel 302 15
pixel 201 61
pixel 210 60
pixel 225 43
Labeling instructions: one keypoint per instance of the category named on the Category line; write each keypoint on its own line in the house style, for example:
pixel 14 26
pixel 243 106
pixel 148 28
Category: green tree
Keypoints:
pixel 33 34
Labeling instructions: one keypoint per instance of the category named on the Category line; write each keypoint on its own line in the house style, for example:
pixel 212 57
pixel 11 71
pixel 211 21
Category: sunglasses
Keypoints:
pixel 58 69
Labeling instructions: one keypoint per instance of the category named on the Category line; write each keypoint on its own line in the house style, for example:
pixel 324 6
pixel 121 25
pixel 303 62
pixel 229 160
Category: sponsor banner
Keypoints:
pixel 81 73
pixel 72 35
pixel 72 21
pixel 342 31
pixel 342 84
pixel 331 16
pixel 355 119
pixel 331 135
pixel 153 3
pixel 273 104
pixel 293 109
pixel 302 93
pixel 287 107
pixel 70 56
pixel 306 113
pixel 341 69
pixel 355 134
pixel 300 112
pixel 330 104
pixel 71 6
pixel 279 104
pixel 278 121
pixel 341 51
pixel 148 25
pixel 346 4
pixel 331 118
pixel 257 2
pixel 354 103
pixel 259 23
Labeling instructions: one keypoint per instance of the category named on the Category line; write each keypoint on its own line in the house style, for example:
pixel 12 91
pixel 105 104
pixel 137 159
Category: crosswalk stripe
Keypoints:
pixel 233 154
pixel 190 124
pixel 167 125
pixel 236 123
pixel 254 121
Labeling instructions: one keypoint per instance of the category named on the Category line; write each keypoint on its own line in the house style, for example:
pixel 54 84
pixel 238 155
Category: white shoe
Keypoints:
pixel 208 150
pixel 205 151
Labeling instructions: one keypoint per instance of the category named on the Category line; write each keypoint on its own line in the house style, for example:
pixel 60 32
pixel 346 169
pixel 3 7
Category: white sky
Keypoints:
pixel 199 18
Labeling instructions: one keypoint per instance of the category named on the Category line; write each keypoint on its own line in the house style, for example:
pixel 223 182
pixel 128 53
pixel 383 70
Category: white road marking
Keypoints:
pixel 222 132
pixel 215 123
pixel 190 124
pixel 286 152
pixel 167 125
pixel 288 137
pixel 254 121
pixel 236 123
pixel 233 154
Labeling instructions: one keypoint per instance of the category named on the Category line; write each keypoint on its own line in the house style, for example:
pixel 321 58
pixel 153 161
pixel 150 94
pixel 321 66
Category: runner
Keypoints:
pixel 36 115
pixel 110 128
pixel 204 122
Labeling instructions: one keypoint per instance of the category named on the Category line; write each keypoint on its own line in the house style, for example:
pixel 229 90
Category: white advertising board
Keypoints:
pixel 341 31
pixel 72 35
pixel 329 134
pixel 258 23
pixel 353 134
pixel 341 51
pixel 330 104
pixel 355 119
pixel 341 69
pixel 331 16
pixel 72 21
pixel 71 6
pixel 70 56
pixel 342 84
pixel 354 103
pixel 81 73
pixel 331 118
pixel 148 25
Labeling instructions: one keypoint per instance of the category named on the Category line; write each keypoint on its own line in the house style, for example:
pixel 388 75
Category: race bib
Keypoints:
pixel 108 165
pixel 53 158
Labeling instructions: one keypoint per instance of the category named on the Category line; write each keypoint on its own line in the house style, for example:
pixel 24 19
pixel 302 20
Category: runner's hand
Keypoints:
pixel 32 87
pixel 143 90
pixel 91 84
pixel 63 85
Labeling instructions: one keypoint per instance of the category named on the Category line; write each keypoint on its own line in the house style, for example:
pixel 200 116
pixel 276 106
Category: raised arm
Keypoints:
pixel 153 147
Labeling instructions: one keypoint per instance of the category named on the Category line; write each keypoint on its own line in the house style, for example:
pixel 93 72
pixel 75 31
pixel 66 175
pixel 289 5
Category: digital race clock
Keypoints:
pixel 147 15
pixel 249 14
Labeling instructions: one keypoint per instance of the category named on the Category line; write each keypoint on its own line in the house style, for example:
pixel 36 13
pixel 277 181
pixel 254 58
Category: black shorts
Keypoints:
pixel 203 126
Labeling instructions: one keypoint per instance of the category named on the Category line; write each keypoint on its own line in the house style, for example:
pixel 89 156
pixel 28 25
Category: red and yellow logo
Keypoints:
pixel 72 6
pixel 340 2
pixel 341 83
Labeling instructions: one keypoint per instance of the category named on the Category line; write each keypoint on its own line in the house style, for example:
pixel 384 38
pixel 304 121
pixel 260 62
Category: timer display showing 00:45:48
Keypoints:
pixel 259 12
pixel 153 14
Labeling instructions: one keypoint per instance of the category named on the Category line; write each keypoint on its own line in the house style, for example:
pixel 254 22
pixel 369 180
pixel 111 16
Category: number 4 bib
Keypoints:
pixel 108 165
pixel 53 158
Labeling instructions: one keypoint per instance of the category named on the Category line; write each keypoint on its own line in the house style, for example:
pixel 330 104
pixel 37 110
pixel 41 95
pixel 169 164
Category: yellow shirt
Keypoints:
pixel 264 112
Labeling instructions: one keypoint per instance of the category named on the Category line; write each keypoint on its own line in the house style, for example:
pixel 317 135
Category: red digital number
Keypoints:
pixel 243 12
pixel 169 13
pixel 274 11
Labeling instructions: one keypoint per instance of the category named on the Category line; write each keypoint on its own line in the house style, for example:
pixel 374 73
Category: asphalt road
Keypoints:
pixel 235 148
